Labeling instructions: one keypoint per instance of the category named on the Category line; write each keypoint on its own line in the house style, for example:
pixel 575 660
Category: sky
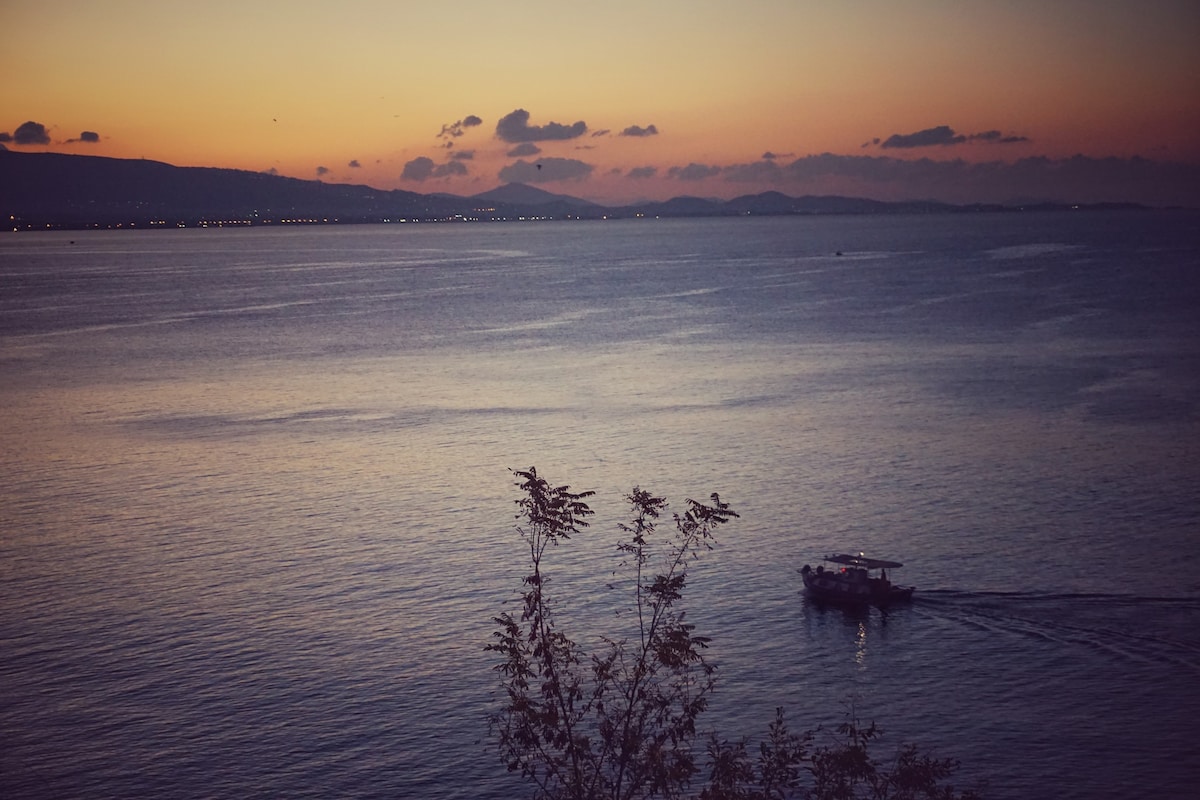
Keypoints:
pixel 955 100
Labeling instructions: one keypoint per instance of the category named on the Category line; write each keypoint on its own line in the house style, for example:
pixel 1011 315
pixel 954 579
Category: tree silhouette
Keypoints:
pixel 621 724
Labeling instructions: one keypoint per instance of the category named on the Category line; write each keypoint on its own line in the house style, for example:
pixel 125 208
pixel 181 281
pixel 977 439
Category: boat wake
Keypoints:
pixel 1149 630
pixel 935 594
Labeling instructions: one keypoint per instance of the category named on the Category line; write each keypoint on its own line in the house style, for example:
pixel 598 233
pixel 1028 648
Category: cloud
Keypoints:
pixel 769 156
pixel 546 171
pixel 463 155
pixel 457 129
pixel 873 169
pixel 33 133
pixel 944 135
pixel 450 168
pixel 27 133
pixel 638 130
pixel 424 168
pixel 271 171
pixel 354 164
pixel 997 137
pixel 693 172
pixel 322 170
pixel 418 169
pixel 767 170
pixel 642 172
pixel 86 137
pixel 515 127
pixel 930 137
pixel 1079 179
pixel 603 132
pixel 524 149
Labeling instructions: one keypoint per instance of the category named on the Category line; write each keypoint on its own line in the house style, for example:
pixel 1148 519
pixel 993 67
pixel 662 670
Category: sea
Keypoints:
pixel 257 513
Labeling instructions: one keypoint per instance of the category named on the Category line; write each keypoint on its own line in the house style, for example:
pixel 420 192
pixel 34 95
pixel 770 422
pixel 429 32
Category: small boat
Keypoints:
pixel 857 580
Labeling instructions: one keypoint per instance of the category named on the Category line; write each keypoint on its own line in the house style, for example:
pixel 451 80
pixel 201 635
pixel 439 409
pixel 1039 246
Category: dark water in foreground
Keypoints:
pixel 255 515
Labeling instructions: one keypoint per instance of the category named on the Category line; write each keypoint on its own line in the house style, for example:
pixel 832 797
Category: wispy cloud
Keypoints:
pixel 456 129
pixel 998 137
pixel 943 136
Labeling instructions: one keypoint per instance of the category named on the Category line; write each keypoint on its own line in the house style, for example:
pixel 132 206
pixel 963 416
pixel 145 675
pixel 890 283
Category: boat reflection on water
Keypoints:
pixel 860 646
pixel 849 635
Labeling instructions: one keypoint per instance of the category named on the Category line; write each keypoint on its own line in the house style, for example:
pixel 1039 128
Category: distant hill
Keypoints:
pixel 77 190
pixel 777 203
pixel 520 194
pixel 40 190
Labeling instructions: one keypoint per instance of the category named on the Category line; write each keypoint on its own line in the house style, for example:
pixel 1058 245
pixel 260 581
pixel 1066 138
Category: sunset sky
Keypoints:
pixel 1074 100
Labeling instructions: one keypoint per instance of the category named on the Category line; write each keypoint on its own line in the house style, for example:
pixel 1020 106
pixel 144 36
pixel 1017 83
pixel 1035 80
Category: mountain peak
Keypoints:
pixel 524 194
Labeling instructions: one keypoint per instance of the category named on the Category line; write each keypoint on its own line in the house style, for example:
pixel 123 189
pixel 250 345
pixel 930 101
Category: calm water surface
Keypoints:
pixel 255 514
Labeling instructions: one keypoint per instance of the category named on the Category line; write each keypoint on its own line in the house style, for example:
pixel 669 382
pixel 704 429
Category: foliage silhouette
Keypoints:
pixel 621 724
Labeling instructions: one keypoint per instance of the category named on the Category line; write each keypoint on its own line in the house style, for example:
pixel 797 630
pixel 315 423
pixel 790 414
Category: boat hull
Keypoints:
pixel 849 589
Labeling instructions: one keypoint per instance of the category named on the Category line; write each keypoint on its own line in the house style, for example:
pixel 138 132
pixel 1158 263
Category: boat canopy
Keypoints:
pixel 862 561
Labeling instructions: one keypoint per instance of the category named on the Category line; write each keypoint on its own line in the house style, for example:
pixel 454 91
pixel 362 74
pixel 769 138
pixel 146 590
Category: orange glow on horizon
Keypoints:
pixel 295 89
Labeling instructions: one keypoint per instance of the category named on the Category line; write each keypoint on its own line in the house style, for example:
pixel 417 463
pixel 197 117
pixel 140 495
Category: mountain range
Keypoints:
pixel 54 190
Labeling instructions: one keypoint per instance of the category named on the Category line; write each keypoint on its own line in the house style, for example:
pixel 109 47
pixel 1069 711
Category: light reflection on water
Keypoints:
pixel 257 517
